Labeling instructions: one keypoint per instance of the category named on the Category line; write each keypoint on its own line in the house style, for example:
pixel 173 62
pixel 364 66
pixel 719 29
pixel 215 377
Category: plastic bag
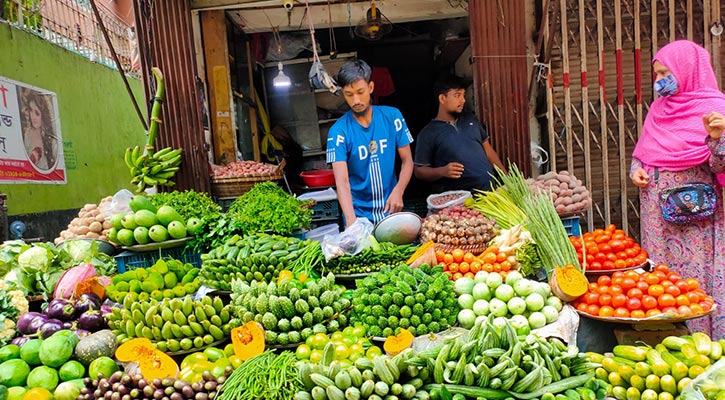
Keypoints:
pixel 709 385
pixel 437 202
pixel 118 204
pixel 427 342
pixel 564 328
pixel 351 241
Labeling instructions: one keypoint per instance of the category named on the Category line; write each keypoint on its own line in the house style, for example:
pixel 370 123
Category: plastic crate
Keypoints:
pixel 326 209
pixel 129 260
pixel 572 226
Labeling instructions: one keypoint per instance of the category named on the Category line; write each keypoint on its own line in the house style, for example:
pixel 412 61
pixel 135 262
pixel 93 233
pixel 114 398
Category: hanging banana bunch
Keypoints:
pixel 149 168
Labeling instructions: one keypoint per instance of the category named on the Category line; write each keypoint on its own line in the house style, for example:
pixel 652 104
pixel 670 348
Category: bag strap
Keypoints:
pixel 315 56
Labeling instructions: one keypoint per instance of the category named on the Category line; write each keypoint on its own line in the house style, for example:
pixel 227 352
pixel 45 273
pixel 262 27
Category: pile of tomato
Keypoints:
pixel 608 249
pixel 460 263
pixel 630 294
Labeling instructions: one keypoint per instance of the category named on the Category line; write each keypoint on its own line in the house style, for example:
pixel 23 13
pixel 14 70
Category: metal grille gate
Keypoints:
pixel 598 84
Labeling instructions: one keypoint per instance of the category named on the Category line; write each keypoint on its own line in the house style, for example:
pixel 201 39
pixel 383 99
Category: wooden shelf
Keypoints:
pixel 310 153
pixel 327 121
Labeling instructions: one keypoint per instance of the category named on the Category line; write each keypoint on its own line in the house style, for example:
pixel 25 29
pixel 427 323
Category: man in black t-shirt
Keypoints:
pixel 453 150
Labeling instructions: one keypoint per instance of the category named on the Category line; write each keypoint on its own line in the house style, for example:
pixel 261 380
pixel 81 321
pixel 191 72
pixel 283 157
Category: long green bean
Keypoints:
pixel 264 377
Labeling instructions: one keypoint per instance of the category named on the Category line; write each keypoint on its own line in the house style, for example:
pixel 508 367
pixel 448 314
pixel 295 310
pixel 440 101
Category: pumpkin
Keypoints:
pixel 395 344
pixel 152 363
pixel 568 283
pixel 101 343
pixel 248 340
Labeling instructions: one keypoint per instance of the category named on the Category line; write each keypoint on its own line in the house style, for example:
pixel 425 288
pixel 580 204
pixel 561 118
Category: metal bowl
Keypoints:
pixel 398 228
pixel 103 246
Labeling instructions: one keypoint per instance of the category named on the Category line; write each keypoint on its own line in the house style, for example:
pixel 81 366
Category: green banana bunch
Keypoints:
pixel 152 169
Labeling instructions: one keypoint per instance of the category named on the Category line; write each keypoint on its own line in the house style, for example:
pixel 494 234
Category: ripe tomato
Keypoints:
pixel 619 300
pixel 615 289
pixel 697 309
pixel 447 258
pixel 631 252
pixel 634 293
pixel 603 238
pixel 662 267
pixel 608 265
pixel 692 283
pixel 606 311
pixel 595 266
pixel 601 257
pixel 640 258
pixel 630 262
pixel 706 306
pixel 651 279
pixel 489 258
pixel 610 228
pixel 634 303
pixel 669 310
pixel 621 312
pixel 605 299
pixel 606 289
pixel 591 298
pixel 604 280
pixel 656 290
pixel 637 314
pixel 616 245
pixel 605 248
pixel 666 300
pixel 628 283
pixel 457 255
pixel 618 235
pixel 682 300
pixel 693 297
pixel 674 277
pixel 582 307
pixel 684 310
pixel 649 302
pixel 593 286
pixel 673 290
pixel 619 264
pixel 469 257
pixel 617 274
pixel 593 309
pixel 621 255
pixel 653 312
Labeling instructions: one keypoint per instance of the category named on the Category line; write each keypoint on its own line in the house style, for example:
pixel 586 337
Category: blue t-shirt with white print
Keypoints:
pixel 370 156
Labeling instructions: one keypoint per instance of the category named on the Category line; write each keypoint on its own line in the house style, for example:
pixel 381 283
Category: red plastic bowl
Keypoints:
pixel 318 178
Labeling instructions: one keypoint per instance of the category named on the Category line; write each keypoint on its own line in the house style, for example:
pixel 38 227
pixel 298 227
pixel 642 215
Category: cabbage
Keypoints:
pixel 35 257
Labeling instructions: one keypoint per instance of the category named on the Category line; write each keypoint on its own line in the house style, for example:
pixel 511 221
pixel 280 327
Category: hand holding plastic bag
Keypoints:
pixel 351 241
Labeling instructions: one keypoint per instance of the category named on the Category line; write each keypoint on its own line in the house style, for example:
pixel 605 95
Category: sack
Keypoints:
pixel 687 203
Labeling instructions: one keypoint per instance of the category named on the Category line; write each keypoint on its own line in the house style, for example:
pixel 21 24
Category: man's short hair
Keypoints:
pixel 448 82
pixel 353 71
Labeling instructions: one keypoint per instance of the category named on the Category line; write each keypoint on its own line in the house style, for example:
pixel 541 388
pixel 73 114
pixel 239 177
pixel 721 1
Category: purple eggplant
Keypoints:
pixel 20 341
pixel 105 310
pixel 30 322
pixel 92 321
pixel 50 327
pixel 67 325
pixel 87 301
pixel 81 333
pixel 60 309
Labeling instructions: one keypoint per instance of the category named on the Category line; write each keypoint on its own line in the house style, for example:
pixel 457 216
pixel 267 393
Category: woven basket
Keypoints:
pixel 475 249
pixel 237 186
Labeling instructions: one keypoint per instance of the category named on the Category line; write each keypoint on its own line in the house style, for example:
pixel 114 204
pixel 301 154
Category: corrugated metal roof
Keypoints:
pixel 498 43
pixel 165 36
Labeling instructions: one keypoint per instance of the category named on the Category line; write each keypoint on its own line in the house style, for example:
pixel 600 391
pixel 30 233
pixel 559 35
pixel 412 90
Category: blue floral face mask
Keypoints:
pixel 666 86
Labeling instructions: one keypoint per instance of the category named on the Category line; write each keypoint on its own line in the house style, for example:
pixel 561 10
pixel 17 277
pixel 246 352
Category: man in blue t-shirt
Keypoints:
pixel 361 147
pixel 453 150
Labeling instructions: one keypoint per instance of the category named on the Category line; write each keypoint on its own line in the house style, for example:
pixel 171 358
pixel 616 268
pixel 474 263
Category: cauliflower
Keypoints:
pixel 7 330
pixel 19 301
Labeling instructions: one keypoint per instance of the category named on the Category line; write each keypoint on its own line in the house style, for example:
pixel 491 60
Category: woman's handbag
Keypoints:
pixel 689 202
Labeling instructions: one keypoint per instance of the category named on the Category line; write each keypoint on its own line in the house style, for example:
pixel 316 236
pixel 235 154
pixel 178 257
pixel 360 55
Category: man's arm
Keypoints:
pixel 492 156
pixel 427 173
pixel 344 195
pixel 395 200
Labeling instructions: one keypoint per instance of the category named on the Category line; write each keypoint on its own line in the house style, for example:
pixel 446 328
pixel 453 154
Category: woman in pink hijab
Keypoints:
pixel 681 142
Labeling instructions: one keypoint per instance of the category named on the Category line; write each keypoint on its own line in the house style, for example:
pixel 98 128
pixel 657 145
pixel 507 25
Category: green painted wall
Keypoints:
pixel 97 120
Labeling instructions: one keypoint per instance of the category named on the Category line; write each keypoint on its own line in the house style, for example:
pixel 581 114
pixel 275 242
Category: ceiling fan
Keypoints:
pixel 375 25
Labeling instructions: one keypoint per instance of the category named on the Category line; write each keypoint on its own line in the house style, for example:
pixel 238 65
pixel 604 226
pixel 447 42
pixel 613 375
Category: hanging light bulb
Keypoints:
pixel 281 80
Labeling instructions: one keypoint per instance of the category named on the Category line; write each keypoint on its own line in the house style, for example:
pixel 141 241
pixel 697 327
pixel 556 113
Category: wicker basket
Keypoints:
pixel 475 249
pixel 237 186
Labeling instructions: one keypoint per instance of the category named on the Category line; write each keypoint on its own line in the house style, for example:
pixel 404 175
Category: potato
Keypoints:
pixel 564 178
pixel 90 207
pixel 570 209
pixel 100 218
pixel 563 186
pixel 96 227
pixel 566 200
pixel 57 241
pixel 106 225
pixel 76 222
pixel 576 198
pixel 88 221
pixel 92 235
pixel 102 237
pixel 560 208
pixel 82 230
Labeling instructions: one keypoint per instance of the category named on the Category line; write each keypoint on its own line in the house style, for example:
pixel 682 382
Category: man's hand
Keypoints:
pixel 640 178
pixel 714 124
pixel 453 170
pixel 394 202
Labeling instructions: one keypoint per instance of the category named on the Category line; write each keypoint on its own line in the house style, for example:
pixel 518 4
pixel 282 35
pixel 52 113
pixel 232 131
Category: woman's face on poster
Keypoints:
pixel 36 117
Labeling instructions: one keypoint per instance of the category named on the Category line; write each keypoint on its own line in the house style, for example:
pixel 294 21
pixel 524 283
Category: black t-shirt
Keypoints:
pixel 440 143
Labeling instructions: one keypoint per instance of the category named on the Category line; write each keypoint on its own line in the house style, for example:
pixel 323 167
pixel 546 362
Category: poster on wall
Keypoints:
pixel 31 147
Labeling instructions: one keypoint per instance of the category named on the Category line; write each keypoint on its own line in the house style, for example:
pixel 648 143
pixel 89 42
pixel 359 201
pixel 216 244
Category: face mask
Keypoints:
pixel 666 86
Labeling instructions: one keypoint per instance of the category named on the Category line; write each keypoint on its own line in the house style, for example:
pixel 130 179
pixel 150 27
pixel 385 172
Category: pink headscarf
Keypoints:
pixel 673 136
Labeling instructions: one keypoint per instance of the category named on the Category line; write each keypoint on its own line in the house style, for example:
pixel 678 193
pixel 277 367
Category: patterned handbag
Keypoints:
pixel 687 203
